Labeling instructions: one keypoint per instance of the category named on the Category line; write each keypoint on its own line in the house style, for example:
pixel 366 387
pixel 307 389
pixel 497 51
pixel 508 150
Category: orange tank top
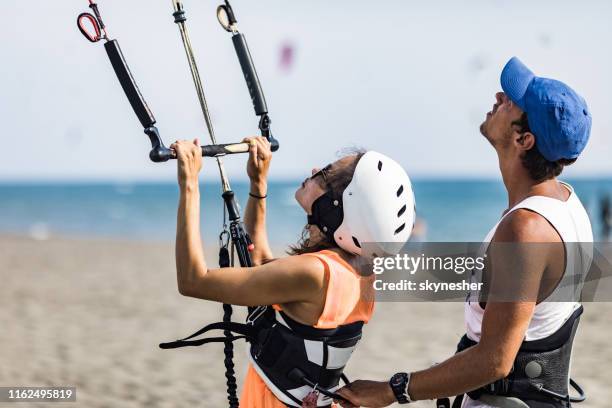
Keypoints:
pixel 349 299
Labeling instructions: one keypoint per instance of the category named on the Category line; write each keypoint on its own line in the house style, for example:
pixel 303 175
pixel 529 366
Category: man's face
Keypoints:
pixel 497 127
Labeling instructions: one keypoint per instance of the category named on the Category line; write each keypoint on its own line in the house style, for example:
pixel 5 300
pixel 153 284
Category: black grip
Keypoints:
pixel 250 75
pixel 274 144
pixel 129 84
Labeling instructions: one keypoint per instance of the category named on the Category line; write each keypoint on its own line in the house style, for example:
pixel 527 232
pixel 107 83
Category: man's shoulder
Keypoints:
pixel 523 225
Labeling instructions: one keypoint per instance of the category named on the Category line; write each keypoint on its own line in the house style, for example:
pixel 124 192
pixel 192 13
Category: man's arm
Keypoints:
pixel 503 328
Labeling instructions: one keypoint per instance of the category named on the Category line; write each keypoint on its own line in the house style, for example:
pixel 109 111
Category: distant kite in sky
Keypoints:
pixel 287 57
pixel 478 63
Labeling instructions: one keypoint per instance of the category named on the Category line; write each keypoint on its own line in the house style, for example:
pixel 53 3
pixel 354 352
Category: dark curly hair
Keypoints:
pixel 538 167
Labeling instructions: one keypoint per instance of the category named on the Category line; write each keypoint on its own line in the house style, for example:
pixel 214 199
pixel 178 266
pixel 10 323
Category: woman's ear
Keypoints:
pixel 525 141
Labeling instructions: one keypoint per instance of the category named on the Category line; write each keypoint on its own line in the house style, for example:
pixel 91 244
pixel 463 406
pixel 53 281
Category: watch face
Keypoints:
pixel 397 379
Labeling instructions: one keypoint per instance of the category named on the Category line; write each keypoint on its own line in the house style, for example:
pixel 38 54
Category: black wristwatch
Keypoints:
pixel 399 384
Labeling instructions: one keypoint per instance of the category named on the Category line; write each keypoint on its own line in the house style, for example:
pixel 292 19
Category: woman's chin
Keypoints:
pixel 299 197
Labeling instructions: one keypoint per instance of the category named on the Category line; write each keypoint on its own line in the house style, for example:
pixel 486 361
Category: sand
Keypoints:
pixel 90 313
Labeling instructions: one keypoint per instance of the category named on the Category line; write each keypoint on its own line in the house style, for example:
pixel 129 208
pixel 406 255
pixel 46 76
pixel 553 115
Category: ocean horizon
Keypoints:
pixel 449 209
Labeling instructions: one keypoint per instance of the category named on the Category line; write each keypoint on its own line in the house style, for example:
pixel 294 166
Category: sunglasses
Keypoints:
pixel 322 173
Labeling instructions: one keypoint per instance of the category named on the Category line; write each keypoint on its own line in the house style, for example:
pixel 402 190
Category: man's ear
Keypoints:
pixel 525 141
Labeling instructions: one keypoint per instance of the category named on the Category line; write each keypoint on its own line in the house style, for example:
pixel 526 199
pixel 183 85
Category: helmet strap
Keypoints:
pixel 327 214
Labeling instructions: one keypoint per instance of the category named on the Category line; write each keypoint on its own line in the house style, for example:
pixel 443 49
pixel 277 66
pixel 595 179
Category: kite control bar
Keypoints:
pixel 234 240
pixel 159 152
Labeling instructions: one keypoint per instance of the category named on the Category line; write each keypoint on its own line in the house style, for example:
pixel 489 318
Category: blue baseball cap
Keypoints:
pixel 558 117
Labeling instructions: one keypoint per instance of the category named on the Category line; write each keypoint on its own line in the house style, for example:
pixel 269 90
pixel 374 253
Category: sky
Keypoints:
pixel 411 79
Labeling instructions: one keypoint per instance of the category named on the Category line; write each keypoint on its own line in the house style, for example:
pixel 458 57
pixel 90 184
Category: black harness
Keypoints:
pixel 282 352
pixel 540 374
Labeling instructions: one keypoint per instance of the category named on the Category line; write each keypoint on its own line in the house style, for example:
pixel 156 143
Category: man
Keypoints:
pixel 516 353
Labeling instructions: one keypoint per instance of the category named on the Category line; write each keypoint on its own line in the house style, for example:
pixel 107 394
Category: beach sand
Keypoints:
pixel 90 313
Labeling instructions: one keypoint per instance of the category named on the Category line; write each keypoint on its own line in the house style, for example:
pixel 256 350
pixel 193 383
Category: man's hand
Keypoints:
pixel 372 394
pixel 189 158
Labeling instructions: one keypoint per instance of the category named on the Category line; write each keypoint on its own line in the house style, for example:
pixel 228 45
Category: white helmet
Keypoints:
pixel 377 209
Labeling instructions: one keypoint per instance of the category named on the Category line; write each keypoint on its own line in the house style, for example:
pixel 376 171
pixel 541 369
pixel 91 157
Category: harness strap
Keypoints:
pixel 245 331
pixel 194 343
pixel 298 376
pixel 348 331
pixel 260 323
pixel 581 394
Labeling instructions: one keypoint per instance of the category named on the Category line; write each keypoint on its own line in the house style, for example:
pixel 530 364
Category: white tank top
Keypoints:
pixel 571 221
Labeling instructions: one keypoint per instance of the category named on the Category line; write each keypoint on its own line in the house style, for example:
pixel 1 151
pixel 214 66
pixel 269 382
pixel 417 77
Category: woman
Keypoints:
pixel 300 346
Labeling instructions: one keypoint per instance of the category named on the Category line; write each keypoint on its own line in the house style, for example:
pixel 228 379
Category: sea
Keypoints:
pixel 448 210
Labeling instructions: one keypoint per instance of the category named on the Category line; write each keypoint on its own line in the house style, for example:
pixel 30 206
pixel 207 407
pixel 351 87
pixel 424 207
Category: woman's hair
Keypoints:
pixel 338 180
pixel 538 167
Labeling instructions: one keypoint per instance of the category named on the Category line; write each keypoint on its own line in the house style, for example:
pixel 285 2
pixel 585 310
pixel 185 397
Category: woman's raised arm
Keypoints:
pixel 286 280
pixel 255 214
